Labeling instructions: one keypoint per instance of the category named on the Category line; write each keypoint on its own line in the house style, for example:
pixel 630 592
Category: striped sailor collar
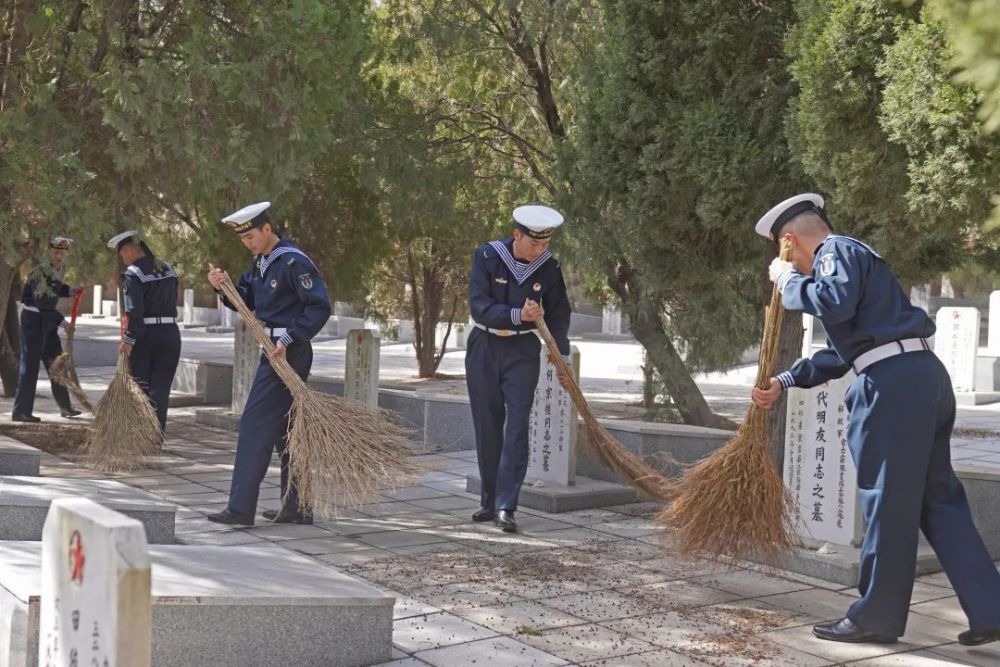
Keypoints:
pixel 520 270
pixel 146 271
pixel 283 247
pixel 834 237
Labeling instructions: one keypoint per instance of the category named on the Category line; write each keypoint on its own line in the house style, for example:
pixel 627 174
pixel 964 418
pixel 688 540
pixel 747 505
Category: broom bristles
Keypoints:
pixel 125 428
pixel 341 452
pixel 601 444
pixel 733 505
pixel 63 371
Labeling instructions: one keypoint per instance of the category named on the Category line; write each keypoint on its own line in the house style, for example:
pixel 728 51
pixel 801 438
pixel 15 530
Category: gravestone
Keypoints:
pixel 956 344
pixel 611 321
pixel 361 372
pixel 819 471
pixel 95 604
pixel 246 358
pixel 188 312
pixel 993 335
pixel 552 427
pixel 920 296
pixel 98 300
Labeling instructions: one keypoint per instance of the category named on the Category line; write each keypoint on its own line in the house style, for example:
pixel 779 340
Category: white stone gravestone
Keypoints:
pixel 920 296
pixel 95 605
pixel 552 426
pixel 611 321
pixel 361 368
pixel 246 358
pixel 819 471
pixel 188 312
pixel 98 300
pixel 956 343
pixel 993 335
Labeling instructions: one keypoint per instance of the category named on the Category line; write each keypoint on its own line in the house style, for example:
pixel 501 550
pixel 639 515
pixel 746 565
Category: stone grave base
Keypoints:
pixel 222 418
pixel 24 504
pixel 554 498
pixel 841 566
pixel 17 458
pixel 224 606
pixel 976 397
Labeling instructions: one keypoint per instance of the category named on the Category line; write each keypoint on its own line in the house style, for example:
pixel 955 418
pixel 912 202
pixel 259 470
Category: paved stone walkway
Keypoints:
pixel 598 587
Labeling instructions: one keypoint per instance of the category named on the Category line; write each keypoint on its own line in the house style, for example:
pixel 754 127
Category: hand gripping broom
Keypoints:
pixel 733 504
pixel 340 451
pixel 62 369
pixel 125 428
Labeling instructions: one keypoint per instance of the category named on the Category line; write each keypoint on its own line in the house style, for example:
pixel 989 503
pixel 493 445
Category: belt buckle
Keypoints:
pixel 505 332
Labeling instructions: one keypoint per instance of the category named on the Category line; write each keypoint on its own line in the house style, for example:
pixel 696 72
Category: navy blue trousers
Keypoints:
pixel 902 410
pixel 39 343
pixel 263 428
pixel 154 362
pixel 501 373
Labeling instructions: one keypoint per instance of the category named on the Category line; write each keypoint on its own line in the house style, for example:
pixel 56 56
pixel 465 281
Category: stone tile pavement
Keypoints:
pixel 596 587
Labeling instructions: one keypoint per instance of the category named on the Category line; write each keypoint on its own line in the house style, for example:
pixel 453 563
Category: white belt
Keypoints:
pixel 31 308
pixel 504 332
pixel 889 350
pixel 159 320
pixel 276 332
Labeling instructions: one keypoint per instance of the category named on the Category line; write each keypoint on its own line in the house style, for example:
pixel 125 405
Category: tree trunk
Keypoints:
pixel 10 340
pixel 687 398
pixel 426 300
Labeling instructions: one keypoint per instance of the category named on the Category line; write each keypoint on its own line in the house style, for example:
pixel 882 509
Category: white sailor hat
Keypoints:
pixel 248 217
pixel 60 243
pixel 538 222
pixel 115 241
pixel 770 225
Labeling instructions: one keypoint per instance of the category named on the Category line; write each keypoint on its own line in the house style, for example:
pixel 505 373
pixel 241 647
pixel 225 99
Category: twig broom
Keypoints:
pixel 125 428
pixel 733 504
pixel 62 369
pixel 601 444
pixel 340 451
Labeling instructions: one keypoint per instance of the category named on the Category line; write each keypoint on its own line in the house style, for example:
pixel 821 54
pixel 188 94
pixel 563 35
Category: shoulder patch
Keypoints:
pixel 306 280
pixel 827 264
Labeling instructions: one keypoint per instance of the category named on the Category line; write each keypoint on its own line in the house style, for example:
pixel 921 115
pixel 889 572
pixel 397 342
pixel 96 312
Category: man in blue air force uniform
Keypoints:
pixel 40 323
pixel 902 409
pixel 151 341
pixel 284 289
pixel 512 280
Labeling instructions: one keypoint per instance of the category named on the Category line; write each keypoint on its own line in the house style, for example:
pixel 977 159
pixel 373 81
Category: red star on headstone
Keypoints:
pixel 76 558
pixel 955 315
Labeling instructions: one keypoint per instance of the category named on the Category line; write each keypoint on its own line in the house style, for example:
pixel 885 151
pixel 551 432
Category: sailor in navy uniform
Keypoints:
pixel 40 323
pixel 902 409
pixel 151 341
pixel 512 281
pixel 284 289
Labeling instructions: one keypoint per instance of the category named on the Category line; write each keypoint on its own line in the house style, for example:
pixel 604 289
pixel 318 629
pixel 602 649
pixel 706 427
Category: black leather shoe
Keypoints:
pixel 290 516
pixel 31 419
pixel 269 514
pixel 231 518
pixel 485 514
pixel 70 413
pixel 505 520
pixel 970 638
pixel 845 630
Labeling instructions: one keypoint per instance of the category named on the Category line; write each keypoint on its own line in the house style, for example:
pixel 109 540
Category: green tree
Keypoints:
pixel 679 148
pixel 973 27
pixel 884 128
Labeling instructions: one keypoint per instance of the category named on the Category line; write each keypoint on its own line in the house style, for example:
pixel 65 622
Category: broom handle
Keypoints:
pixel 280 365
pixel 773 316
pixel 575 393
pixel 74 314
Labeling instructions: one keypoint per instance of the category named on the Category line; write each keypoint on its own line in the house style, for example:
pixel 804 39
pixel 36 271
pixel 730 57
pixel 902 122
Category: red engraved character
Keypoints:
pixel 76 558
